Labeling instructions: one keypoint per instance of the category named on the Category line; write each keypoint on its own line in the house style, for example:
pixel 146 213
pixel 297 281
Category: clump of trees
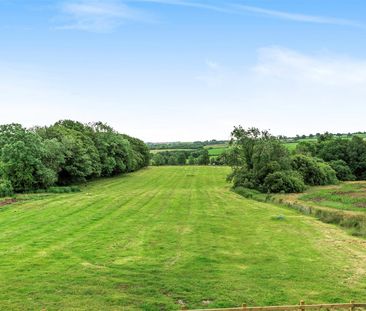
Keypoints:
pixel 64 153
pixel 347 157
pixel 260 161
pixel 182 157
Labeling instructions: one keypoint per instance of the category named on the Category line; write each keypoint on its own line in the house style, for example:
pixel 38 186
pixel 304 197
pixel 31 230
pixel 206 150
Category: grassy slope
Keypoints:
pixel 166 235
pixel 345 196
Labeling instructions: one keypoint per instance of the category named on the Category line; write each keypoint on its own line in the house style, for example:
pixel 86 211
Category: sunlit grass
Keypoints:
pixel 167 236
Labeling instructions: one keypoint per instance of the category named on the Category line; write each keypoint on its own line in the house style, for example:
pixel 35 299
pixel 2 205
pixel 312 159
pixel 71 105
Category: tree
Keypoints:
pixel 254 155
pixel 204 158
pixel 314 171
pixel 81 158
pixel 158 159
pixel 191 160
pixel 172 160
pixel 22 156
pixel 282 181
pixel 181 158
pixel 342 170
pixel 260 161
pixel 357 157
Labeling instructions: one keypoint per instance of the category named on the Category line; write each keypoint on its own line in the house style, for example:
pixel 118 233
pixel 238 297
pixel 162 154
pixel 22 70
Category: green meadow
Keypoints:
pixel 165 237
pixel 345 196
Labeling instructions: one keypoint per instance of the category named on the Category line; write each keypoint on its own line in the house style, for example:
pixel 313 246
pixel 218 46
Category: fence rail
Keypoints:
pixel 300 307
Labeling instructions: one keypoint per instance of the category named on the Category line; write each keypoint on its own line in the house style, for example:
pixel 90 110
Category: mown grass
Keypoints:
pixel 164 236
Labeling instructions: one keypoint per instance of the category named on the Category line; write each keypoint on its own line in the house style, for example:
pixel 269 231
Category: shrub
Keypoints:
pixel 284 181
pixel 314 171
pixel 342 170
pixel 6 189
pixel 241 177
pixel 329 176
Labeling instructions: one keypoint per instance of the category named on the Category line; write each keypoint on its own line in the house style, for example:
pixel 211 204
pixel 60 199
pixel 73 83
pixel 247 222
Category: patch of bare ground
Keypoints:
pixel 8 201
pixel 361 204
pixel 352 194
pixel 317 199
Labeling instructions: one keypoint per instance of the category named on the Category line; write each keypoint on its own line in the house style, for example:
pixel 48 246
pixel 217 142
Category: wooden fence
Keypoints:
pixel 352 306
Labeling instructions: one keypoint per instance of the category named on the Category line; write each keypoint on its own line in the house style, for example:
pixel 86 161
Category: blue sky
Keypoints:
pixel 167 70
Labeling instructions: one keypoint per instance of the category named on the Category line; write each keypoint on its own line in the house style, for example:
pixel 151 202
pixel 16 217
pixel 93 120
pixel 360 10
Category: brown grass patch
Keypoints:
pixel 8 201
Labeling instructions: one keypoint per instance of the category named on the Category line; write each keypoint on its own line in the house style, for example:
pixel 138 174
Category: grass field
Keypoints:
pixel 163 150
pixel 165 236
pixel 346 196
pixel 216 150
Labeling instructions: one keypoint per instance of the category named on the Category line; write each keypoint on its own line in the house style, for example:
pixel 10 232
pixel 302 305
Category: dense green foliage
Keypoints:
pixel 261 161
pixel 64 153
pixel 182 157
pixel 6 189
pixel 284 181
pixel 314 171
pixel 167 236
pixel 346 156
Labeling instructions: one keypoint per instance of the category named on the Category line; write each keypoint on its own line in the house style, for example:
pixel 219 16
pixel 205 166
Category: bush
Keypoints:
pixel 315 172
pixel 284 181
pixel 6 189
pixel 342 170
pixel 328 175
pixel 241 177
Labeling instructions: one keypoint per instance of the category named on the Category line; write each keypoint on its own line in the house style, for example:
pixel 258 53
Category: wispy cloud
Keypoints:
pixel 198 5
pixel 297 17
pixel 235 8
pixel 106 15
pixel 98 15
pixel 281 63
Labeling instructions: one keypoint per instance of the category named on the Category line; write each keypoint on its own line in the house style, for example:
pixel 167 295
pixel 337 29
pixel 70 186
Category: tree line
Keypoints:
pixel 182 157
pixel 260 161
pixel 64 153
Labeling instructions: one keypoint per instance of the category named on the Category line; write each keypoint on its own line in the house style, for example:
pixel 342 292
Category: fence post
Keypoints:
pixel 352 308
pixel 244 306
pixel 302 302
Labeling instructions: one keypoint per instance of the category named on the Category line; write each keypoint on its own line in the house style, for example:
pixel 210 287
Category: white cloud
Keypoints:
pixel 290 92
pixel 98 15
pixel 214 74
pixel 320 69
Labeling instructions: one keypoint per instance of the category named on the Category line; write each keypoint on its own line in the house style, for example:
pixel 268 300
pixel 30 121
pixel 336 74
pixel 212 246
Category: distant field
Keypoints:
pixel 167 236
pixel 216 150
pixel 290 146
pixel 162 150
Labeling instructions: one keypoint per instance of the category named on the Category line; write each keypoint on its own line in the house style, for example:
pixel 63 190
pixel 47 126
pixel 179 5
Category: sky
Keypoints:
pixel 177 70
